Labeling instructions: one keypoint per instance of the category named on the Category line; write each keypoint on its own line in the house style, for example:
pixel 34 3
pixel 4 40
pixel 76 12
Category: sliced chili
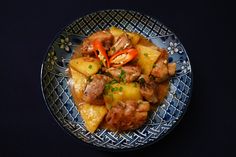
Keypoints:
pixel 128 55
pixel 100 53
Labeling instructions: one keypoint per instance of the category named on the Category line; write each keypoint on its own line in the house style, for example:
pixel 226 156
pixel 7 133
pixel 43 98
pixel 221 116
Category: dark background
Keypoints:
pixel 206 29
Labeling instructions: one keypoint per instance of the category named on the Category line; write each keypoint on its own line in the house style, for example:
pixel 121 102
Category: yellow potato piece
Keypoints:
pixel 86 65
pixel 78 83
pixel 146 58
pixel 131 91
pixel 134 37
pixel 122 92
pixel 116 31
pixel 92 115
pixel 145 42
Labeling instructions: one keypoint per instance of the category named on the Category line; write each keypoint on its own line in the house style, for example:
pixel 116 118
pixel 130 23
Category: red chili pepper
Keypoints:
pixel 102 56
pixel 129 54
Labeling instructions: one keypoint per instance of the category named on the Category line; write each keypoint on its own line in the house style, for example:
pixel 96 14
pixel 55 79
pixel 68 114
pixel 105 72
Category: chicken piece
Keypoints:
pixel 148 89
pixel 86 49
pixel 94 89
pixel 162 90
pixel 143 106
pixel 126 116
pixel 171 69
pixel 162 69
pixel 148 92
pixel 122 42
pixel 103 36
pixel 126 73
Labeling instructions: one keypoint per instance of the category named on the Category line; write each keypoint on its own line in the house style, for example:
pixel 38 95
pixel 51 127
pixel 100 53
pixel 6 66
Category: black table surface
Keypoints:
pixel 206 29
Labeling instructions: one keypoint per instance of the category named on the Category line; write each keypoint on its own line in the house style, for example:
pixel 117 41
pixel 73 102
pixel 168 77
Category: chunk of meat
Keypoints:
pixel 148 89
pixel 162 90
pixel 94 89
pixel 122 42
pixel 103 36
pixel 162 69
pixel 171 69
pixel 148 92
pixel 86 48
pixel 128 72
pixel 126 116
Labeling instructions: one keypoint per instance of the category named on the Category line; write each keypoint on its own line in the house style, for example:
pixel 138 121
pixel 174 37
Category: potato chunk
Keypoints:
pixel 78 83
pixel 145 42
pixel 120 91
pixel 134 37
pixel 92 115
pixel 146 58
pixel 86 65
pixel 116 32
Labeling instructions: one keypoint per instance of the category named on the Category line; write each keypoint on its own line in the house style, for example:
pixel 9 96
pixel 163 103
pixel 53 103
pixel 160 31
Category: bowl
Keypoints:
pixel 59 101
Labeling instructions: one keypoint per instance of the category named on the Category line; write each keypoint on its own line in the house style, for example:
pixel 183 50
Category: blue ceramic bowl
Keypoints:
pixel 58 97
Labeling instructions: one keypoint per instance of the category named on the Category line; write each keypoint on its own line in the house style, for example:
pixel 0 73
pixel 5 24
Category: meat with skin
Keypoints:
pixel 148 92
pixel 148 89
pixel 162 69
pixel 103 36
pixel 126 116
pixel 94 89
pixel 131 72
pixel 86 48
pixel 122 42
pixel 171 69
